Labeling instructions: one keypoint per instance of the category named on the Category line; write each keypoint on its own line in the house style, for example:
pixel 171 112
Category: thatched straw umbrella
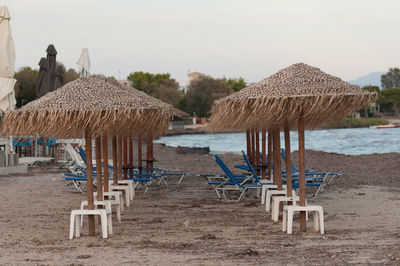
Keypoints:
pixel 88 103
pixel 88 107
pixel 282 96
pixel 299 96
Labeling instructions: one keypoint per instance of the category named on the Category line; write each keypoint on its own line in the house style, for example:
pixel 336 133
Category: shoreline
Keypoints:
pixel 202 130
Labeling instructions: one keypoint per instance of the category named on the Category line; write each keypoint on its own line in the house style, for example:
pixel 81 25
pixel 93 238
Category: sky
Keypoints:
pixel 233 38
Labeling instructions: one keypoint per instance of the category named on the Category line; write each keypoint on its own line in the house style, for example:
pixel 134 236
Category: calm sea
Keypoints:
pixel 345 141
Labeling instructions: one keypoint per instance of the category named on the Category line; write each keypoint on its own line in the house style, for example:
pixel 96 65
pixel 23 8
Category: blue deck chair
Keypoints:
pixel 82 153
pixel 246 167
pixel 312 172
pixel 232 183
pixel 253 173
pixel 311 180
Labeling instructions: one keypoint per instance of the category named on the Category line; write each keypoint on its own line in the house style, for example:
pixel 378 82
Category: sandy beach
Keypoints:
pixel 188 225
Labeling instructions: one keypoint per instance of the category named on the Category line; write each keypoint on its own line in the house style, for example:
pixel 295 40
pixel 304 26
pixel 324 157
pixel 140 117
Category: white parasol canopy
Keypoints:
pixel 84 62
pixel 7 62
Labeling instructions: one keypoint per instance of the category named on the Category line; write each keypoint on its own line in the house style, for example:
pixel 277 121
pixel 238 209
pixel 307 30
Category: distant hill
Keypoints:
pixel 373 79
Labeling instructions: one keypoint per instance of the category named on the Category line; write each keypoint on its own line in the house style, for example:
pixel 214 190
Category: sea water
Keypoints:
pixel 352 141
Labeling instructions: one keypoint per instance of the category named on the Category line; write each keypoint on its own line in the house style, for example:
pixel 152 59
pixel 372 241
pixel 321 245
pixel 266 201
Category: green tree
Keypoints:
pixel 25 88
pixel 202 92
pixel 182 105
pixel 70 75
pixel 160 86
pixel 166 90
pixel 389 99
pixel 236 84
pixel 142 80
pixel 371 88
pixel 391 79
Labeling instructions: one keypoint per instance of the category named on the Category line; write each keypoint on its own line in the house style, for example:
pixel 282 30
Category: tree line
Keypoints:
pixel 201 92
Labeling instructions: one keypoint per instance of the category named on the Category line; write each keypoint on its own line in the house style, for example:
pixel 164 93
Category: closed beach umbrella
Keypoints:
pixel 7 62
pixel 42 82
pixel 297 97
pixel 84 63
pixel 88 107
pixel 49 77
pixel 51 73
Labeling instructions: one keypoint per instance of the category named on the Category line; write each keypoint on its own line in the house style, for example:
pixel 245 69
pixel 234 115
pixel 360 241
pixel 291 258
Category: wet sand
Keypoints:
pixel 188 225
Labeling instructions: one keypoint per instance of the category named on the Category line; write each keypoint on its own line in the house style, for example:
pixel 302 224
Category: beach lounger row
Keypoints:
pixel 270 195
pixel 243 183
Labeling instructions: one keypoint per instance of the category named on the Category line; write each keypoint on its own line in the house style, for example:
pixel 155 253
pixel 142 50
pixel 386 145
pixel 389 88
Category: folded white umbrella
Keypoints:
pixel 7 62
pixel 84 62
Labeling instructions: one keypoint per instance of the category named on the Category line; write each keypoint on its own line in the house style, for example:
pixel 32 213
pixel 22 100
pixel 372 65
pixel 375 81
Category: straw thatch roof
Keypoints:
pixel 179 113
pixel 89 103
pixel 281 98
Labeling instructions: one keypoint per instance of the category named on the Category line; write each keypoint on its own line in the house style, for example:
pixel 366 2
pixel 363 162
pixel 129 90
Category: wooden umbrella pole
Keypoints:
pixel 302 178
pixel 130 140
pixel 151 152
pixel 119 139
pixel 270 154
pixel 55 153
pixel 250 155
pixel 139 141
pixel 105 162
pixel 148 156
pixel 253 148
pixel 248 144
pixel 115 160
pixel 258 151
pixel 288 161
pixel 125 157
pixel 99 171
pixel 277 158
pixel 33 148
pixel 43 148
pixel 89 181
pixel 263 145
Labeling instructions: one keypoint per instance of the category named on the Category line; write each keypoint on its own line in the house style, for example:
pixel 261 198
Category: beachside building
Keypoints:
pixel 192 76
pixel 195 75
